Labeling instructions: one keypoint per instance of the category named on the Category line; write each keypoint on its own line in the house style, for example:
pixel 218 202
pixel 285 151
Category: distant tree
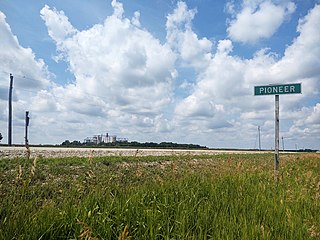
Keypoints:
pixel 134 144
pixel 75 143
pixel 66 143
pixel 1 137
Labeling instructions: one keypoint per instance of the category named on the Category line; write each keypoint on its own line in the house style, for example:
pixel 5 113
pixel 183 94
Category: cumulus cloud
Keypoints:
pixel 301 58
pixel 306 127
pixel 20 60
pixel 125 78
pixel 194 52
pixel 257 20
pixel 59 27
pixel 314 117
pixel 117 60
pixel 228 81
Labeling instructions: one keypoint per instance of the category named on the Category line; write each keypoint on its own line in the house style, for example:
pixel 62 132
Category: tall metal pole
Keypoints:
pixel 26 135
pixel 276 148
pixel 26 129
pixel 10 112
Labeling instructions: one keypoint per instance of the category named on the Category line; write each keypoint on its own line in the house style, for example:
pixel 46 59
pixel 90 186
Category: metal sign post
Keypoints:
pixel 277 89
pixel 276 138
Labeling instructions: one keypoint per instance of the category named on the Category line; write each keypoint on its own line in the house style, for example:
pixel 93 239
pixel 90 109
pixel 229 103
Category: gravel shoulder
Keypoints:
pixel 53 152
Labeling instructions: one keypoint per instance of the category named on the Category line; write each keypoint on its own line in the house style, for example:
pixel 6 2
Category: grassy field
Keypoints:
pixel 170 197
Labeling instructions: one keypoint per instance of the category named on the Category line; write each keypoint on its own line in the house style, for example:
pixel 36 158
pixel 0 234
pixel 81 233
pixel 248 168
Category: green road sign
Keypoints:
pixel 292 88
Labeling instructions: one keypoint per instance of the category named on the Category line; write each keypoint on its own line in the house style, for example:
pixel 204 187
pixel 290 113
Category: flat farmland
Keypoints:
pixel 156 194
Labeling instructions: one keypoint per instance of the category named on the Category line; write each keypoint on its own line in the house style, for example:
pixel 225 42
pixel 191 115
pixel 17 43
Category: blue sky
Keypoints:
pixel 180 71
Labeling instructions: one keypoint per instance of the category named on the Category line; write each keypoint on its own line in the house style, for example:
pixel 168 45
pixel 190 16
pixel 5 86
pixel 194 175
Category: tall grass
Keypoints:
pixel 181 197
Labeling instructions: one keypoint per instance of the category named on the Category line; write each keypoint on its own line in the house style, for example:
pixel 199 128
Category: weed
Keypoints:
pixel 168 197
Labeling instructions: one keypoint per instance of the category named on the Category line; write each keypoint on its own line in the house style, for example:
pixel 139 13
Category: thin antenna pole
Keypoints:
pixel 10 112
pixel 259 138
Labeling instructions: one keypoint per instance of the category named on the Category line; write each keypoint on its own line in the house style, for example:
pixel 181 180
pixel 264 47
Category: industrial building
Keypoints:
pixel 104 138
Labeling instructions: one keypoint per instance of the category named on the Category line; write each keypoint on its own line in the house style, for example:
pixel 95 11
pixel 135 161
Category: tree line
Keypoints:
pixel 133 144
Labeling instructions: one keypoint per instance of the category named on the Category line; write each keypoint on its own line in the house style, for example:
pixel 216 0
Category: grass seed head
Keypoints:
pixel 86 232
pixel 19 173
pixel 125 234
pixel 262 231
pixel 33 167
pixel 136 153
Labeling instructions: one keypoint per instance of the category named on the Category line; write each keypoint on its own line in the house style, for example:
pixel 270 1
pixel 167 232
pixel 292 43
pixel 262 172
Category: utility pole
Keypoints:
pixel 26 128
pixel 26 135
pixel 10 112
pixel 259 138
pixel 282 143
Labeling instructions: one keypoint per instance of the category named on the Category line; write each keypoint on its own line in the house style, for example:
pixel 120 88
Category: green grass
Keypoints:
pixel 172 197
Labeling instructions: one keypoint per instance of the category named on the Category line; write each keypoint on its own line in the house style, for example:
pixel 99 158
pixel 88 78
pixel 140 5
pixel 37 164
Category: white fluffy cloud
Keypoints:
pixel 125 79
pixel 194 52
pixel 301 58
pixel 223 98
pixel 124 76
pixel 116 60
pixel 306 126
pixel 22 62
pixel 258 20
